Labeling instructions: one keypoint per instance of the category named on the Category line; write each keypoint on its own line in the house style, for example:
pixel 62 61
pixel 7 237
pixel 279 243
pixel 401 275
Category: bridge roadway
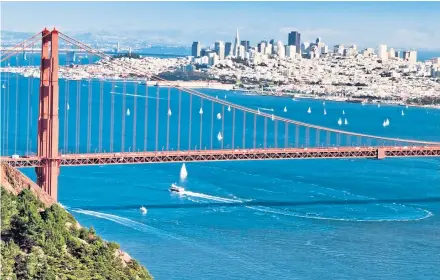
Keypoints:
pixel 226 155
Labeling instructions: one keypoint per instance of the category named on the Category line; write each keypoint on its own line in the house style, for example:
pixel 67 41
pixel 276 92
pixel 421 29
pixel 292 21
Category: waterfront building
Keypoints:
pixel 294 39
pixel 196 49
pixel 236 44
pixel 228 49
pixel 219 48
pixel 382 52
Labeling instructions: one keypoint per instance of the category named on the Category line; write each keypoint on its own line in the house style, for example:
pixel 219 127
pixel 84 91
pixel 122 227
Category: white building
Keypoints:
pixel 391 53
pixel 268 49
pixel 290 51
pixel 338 49
pixel 305 47
pixel 241 52
pixel 382 52
pixel 220 49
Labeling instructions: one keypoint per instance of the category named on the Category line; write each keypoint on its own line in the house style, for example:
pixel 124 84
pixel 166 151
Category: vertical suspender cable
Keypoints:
pixel 276 133
pixel 223 125
pixel 307 136
pixel 212 122
pixel 318 134
pixel 28 119
pixel 112 116
pixel 66 116
pixel 168 119
pixel 265 132
pixel 244 129
pixel 286 135
pixel 255 131
pixel 146 116
pixel 296 136
pixel 16 113
pixel 78 111
pixel 201 122
pixel 134 116
pixel 190 121
pixel 233 128
pixel 89 118
pixel 101 113
pixel 157 117
pixel 178 121
pixel 7 113
pixel 124 88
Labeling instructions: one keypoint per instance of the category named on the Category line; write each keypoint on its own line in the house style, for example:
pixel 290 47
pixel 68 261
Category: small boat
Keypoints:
pixel 386 123
pixel 128 112
pixel 294 99
pixel 143 210
pixel 225 96
pixel 343 112
pixel 323 103
pixel 219 116
pixel 258 111
pixel 345 121
pixel 201 111
pixel 273 118
pixel 339 121
pixel 309 110
pixel 229 108
pixel 176 188
pixel 219 136
pixel 325 112
pixel 68 107
pixel 378 105
pixel 3 86
pixel 285 109
pixel 169 112
pixel 403 113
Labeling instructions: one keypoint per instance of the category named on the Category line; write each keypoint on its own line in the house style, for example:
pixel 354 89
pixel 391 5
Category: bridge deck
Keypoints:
pixel 225 155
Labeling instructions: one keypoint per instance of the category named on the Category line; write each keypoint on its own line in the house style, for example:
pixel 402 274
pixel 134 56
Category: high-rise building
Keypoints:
pixel 281 52
pixel 410 56
pixel 268 49
pixel 196 49
pixel 220 49
pixel 241 52
pixel 382 52
pixel 304 48
pixel 228 49
pixel 338 49
pixel 391 53
pixel 294 39
pixel 246 44
pixel 290 51
pixel 236 44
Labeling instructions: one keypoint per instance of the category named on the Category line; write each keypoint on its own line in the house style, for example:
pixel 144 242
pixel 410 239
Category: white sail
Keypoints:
pixel 3 86
pixel 128 112
pixel 323 103
pixel 219 116
pixel 309 110
pixel 201 111
pixel 216 97
pixel 143 210
pixel 378 105
pixel 325 112
pixel 258 111
pixel 345 121
pixel 229 108
pixel 388 122
pixel 273 118
pixel 169 112
pixel 183 172
pixel 403 113
pixel 285 109
pixel 406 106
pixel 343 112
pixel 219 136
pixel 68 107
pixel 225 96
pixel 339 121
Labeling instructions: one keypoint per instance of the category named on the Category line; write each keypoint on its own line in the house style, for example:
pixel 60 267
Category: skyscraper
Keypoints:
pixel 294 39
pixel 196 49
pixel 245 44
pixel 236 44
pixel 382 52
pixel 228 48
pixel 220 49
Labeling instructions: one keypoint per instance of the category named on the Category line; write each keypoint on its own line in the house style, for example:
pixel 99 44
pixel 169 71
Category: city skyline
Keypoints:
pixel 406 25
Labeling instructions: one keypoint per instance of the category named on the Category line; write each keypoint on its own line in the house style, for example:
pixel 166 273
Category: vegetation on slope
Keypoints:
pixel 38 243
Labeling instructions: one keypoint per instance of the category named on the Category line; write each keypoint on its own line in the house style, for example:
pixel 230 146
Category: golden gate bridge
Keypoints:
pixel 205 128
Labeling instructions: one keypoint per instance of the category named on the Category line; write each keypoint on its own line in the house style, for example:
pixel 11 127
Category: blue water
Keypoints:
pixel 189 237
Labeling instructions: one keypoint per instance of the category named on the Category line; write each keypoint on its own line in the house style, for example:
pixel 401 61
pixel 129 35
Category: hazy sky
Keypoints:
pixel 397 24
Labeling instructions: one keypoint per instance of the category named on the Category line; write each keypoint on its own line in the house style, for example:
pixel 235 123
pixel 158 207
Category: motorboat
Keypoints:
pixel 176 188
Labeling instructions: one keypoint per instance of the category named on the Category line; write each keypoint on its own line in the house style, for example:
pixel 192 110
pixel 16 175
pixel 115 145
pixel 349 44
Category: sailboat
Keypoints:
pixel 339 121
pixel 219 136
pixel 258 111
pixel 325 112
pixel 309 110
pixel 273 118
pixel 229 108
pixel 403 113
pixel 24 55
pixel 345 121
pixel 225 96
pixel 201 111
pixel 128 112
pixel 386 123
pixel 3 86
pixel 219 116
pixel 216 97
pixel 285 109
pixel 68 107
pixel 343 112
pixel 183 172
pixel 323 103
pixel 143 210
pixel 169 112
pixel 378 105
pixel 406 106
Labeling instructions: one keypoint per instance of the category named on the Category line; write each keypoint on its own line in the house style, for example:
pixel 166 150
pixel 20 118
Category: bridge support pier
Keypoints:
pixel 48 123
